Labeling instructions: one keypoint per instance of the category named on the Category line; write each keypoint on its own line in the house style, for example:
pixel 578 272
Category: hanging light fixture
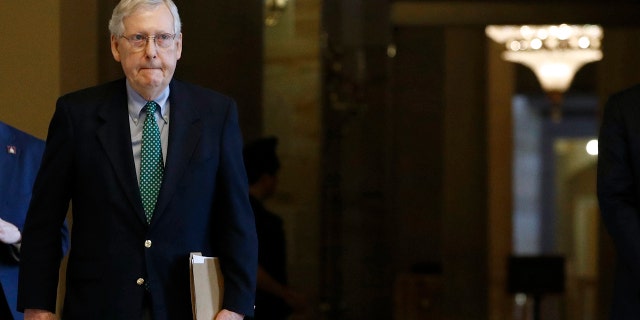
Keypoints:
pixel 273 10
pixel 553 52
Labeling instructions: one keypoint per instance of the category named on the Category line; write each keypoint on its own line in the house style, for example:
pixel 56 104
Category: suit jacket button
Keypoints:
pixel 140 281
pixel 147 244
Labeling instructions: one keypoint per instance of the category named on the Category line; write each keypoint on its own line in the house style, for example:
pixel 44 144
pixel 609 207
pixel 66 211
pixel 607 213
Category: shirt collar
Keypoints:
pixel 136 102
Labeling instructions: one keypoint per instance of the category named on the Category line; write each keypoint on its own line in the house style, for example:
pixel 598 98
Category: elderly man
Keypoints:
pixel 154 169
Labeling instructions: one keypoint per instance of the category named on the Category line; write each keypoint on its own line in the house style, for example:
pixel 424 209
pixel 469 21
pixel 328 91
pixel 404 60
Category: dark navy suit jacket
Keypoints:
pixel 619 195
pixel 116 257
pixel 20 155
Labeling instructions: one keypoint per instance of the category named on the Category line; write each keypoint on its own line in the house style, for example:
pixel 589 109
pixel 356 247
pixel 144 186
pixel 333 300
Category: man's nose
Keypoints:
pixel 150 47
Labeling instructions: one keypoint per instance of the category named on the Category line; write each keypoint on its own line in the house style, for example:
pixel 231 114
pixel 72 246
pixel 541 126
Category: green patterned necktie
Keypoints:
pixel 151 167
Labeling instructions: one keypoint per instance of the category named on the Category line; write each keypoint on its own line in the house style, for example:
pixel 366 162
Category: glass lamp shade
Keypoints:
pixel 554 52
pixel 554 69
pixel 274 9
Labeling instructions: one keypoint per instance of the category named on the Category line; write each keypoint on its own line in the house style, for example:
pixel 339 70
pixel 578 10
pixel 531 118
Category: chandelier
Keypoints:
pixel 273 10
pixel 553 52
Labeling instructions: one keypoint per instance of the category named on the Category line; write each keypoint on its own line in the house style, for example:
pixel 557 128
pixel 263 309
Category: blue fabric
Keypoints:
pixel 20 155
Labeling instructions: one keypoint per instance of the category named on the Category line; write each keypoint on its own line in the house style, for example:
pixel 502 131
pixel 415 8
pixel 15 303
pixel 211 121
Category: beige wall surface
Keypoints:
pixel 291 111
pixel 30 67
pixel 49 47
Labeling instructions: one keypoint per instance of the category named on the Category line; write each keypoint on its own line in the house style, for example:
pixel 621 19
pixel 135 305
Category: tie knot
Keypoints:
pixel 151 107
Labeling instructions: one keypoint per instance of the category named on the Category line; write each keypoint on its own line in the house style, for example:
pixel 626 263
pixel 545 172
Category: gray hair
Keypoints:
pixel 128 7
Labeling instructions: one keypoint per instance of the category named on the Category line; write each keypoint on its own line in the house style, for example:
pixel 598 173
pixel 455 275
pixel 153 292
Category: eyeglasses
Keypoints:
pixel 139 40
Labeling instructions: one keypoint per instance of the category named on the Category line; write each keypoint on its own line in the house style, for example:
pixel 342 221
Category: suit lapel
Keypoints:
pixel 115 136
pixel 185 129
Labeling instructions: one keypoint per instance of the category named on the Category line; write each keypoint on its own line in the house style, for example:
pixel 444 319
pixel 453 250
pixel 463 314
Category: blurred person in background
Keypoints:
pixel 275 300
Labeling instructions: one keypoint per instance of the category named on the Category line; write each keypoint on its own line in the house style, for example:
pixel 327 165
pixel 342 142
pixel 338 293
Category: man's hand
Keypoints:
pixel 36 314
pixel 225 314
pixel 9 233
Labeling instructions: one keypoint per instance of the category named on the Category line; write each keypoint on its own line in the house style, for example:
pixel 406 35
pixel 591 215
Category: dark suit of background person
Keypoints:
pixel 274 299
pixel 20 156
pixel 618 185
pixel 120 266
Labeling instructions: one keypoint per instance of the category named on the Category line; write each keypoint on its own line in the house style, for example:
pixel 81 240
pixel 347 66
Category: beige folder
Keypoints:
pixel 207 286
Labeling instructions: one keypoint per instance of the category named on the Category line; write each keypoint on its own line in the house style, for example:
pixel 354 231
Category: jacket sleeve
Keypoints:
pixel 42 244
pixel 237 232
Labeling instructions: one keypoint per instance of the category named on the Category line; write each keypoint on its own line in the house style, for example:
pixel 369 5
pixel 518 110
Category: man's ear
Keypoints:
pixel 115 48
pixel 179 47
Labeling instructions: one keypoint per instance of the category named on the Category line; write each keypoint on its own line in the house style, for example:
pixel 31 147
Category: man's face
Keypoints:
pixel 149 69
